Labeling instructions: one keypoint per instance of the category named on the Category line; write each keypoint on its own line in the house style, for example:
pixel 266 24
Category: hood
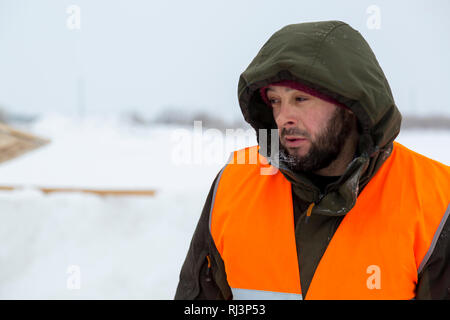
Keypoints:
pixel 334 59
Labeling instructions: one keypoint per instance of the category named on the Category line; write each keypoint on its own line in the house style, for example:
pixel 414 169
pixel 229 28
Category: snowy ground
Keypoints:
pixel 116 247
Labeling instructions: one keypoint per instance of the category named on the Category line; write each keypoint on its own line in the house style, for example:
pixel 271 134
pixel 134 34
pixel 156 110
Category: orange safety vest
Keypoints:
pixel 377 251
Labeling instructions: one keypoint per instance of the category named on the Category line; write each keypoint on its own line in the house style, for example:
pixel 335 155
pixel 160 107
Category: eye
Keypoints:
pixel 300 99
pixel 273 101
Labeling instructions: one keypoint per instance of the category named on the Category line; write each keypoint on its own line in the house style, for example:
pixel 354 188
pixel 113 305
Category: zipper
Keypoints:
pixel 311 206
pixel 208 269
pixel 308 211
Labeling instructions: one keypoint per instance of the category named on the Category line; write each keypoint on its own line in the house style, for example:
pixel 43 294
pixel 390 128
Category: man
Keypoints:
pixel 347 213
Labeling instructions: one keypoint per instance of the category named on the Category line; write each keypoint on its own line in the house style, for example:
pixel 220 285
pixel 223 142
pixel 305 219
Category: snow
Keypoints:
pixel 125 248
pixel 434 144
pixel 120 247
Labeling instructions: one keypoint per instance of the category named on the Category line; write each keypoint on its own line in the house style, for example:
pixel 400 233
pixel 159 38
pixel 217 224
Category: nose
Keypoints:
pixel 286 115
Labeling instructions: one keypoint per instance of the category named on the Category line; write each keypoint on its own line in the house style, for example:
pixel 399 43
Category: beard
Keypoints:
pixel 324 149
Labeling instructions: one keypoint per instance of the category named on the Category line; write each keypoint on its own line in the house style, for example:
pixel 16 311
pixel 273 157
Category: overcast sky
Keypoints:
pixel 153 55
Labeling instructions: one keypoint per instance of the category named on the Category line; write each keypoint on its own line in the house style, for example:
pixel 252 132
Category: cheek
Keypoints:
pixel 318 119
pixel 276 116
pixel 311 121
pixel 313 124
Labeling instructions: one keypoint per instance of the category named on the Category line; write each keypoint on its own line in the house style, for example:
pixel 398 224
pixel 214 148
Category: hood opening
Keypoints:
pixel 260 116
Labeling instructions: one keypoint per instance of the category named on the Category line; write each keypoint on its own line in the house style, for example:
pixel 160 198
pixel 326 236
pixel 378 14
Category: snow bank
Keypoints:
pixel 125 248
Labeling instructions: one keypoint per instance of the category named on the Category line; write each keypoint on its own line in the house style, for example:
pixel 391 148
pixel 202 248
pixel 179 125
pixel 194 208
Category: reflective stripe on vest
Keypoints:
pixel 246 294
pixel 376 252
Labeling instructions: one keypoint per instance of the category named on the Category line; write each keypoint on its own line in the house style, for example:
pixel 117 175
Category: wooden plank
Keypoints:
pixel 100 192
pixel 14 143
pixel 7 188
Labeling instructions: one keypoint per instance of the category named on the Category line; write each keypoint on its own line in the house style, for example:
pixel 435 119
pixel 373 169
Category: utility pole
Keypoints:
pixel 81 96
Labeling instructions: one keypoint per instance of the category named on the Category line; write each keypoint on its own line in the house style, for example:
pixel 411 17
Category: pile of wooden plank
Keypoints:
pixel 14 143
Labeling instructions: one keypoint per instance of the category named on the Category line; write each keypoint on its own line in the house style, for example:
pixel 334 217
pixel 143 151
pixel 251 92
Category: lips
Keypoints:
pixel 294 141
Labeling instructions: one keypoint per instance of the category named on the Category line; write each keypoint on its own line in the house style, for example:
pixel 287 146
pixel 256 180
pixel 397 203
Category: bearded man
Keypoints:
pixel 348 213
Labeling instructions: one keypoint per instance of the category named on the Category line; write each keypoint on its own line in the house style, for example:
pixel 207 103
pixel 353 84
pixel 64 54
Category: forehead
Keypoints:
pixel 280 89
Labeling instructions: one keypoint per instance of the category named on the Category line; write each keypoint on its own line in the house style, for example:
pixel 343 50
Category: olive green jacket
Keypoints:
pixel 333 58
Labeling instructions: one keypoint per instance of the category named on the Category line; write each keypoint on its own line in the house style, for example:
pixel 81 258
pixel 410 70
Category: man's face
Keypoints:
pixel 312 131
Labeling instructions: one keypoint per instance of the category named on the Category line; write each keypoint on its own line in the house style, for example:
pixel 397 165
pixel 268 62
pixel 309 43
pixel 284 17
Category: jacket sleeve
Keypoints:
pixel 434 279
pixel 203 275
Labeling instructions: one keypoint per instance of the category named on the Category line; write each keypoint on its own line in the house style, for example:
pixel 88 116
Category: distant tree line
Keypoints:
pixel 183 118
pixel 426 122
pixel 2 116
pixel 8 117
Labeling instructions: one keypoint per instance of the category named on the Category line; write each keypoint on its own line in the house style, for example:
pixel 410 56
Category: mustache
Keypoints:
pixel 294 132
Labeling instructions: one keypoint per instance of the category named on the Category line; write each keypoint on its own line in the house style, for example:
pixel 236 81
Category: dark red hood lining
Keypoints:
pixel 298 86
